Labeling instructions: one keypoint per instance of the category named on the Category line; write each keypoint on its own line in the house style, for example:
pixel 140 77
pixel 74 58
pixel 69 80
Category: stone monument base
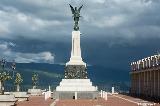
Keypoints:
pixel 76 89
pixel 35 92
pixel 75 95
pixel 7 100
pixel 21 96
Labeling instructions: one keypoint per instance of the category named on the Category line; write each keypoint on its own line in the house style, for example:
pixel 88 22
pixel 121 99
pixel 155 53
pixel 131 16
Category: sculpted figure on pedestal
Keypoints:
pixel 76 16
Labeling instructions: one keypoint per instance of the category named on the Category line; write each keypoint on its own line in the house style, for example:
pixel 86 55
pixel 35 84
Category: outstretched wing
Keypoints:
pixel 72 9
pixel 80 8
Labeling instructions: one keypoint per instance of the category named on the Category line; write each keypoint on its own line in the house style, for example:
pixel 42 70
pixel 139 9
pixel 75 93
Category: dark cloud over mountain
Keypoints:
pixel 114 32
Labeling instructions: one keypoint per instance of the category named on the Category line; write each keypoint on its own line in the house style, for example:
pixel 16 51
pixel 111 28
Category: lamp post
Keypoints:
pixel 34 80
pixel 13 68
pixel 3 63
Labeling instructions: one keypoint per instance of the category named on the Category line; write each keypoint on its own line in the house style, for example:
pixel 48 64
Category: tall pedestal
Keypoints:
pixel 76 68
pixel 76 84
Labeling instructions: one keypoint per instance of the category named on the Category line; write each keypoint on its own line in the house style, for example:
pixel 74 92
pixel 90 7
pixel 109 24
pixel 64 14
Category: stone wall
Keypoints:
pixel 145 78
pixel 80 95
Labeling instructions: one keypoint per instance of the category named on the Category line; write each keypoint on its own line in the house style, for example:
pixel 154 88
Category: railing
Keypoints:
pixel 146 63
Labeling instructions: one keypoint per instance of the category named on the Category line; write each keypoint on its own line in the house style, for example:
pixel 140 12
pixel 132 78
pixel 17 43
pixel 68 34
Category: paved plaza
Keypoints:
pixel 113 100
pixel 36 101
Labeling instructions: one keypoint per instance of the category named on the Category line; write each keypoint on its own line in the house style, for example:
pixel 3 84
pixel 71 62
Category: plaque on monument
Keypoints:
pixel 75 72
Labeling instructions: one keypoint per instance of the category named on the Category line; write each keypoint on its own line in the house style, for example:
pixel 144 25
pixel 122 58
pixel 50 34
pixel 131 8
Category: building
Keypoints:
pixel 145 77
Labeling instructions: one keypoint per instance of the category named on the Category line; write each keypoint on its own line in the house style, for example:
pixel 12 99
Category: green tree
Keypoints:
pixel 3 77
pixel 18 81
pixel 34 80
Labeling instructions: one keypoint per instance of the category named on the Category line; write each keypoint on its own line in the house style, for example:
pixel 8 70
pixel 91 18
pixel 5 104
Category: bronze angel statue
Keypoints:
pixel 76 16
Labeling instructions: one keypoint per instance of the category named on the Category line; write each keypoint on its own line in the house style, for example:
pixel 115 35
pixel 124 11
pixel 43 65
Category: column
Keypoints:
pixel 149 64
pixel 139 83
pixel 76 49
pixel 106 96
pixel 150 83
pixel 144 85
pixel 137 65
pixel 131 67
pixel 152 61
pixel 131 79
pixel 156 60
pixel 101 93
pixel 156 87
pixel 112 90
pixel 75 95
pixel 147 83
pixel 154 82
pixel 158 83
pixel 145 62
pixel 49 88
pixel 134 83
pixel 142 82
pixel 46 95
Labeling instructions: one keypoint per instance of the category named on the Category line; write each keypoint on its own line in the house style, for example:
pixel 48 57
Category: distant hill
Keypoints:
pixel 51 74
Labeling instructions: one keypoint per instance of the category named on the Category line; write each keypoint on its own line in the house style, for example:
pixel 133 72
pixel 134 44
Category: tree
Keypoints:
pixel 3 77
pixel 34 80
pixel 18 81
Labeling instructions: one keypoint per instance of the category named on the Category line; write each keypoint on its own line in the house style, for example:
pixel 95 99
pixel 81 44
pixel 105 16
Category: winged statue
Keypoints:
pixel 76 16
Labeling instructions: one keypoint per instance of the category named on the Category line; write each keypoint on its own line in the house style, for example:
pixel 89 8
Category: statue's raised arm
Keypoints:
pixel 72 9
pixel 80 8
pixel 76 15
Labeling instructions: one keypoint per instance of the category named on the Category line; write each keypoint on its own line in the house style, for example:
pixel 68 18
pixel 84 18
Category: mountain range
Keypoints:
pixel 51 74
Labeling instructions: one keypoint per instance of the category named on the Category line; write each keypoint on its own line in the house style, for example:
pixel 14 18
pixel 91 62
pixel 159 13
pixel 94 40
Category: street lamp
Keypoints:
pixel 13 68
pixel 3 63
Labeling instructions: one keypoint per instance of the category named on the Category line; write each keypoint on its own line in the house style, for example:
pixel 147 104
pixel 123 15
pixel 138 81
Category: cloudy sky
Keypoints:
pixel 114 32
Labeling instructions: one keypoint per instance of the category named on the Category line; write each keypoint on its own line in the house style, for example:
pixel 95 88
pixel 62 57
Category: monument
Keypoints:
pixel 76 84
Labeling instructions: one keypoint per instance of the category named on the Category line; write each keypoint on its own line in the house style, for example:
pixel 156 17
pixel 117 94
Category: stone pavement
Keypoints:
pixel 113 100
pixel 118 100
pixel 139 102
pixel 36 101
pixel 99 102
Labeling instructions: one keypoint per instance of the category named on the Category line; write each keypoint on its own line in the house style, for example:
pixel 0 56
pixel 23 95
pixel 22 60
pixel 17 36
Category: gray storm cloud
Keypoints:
pixel 43 27
pixel 41 57
pixel 41 19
